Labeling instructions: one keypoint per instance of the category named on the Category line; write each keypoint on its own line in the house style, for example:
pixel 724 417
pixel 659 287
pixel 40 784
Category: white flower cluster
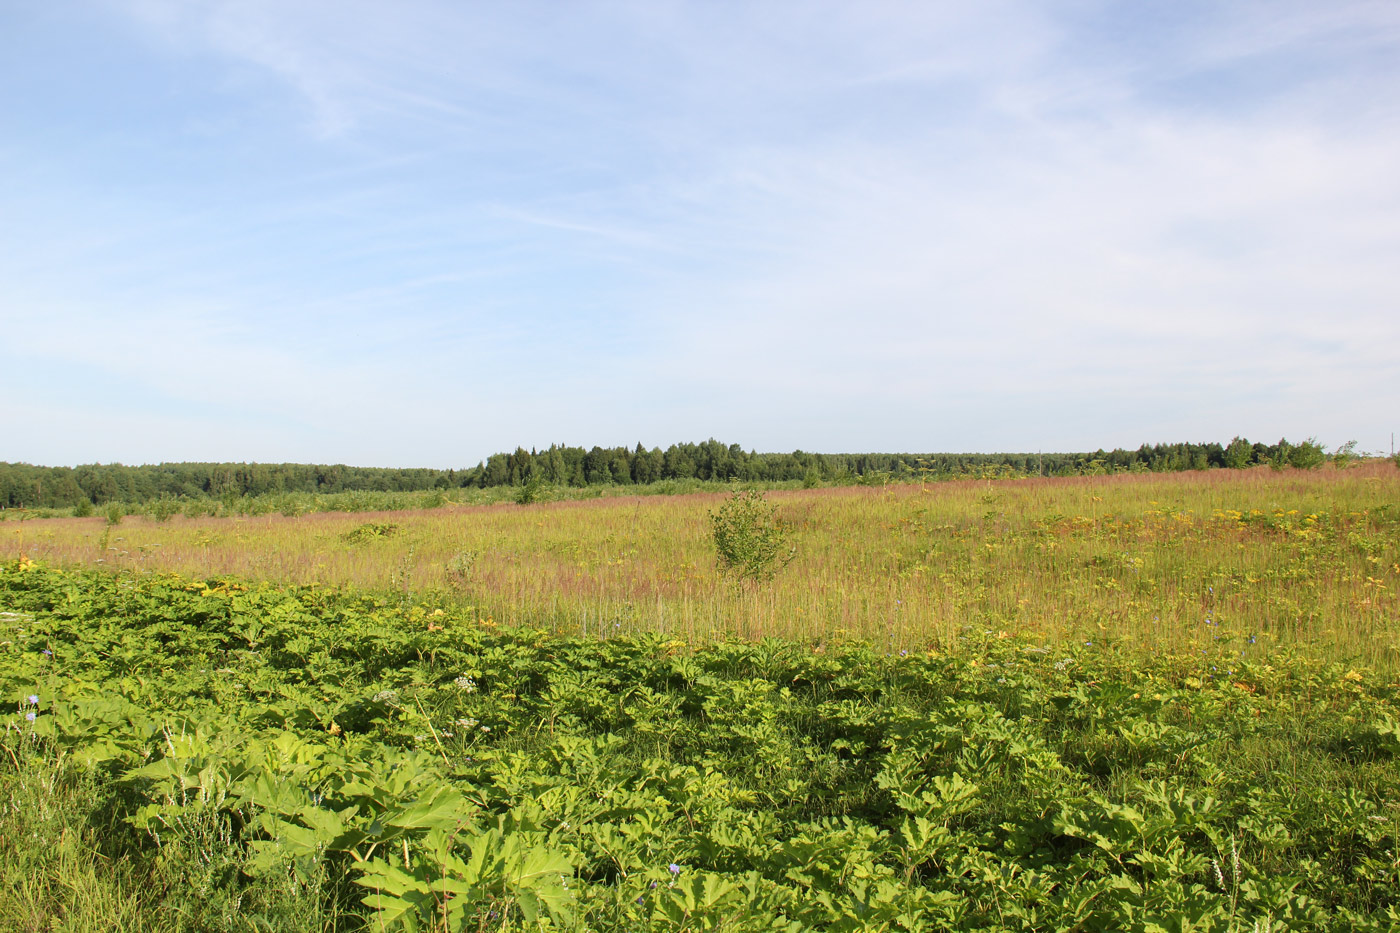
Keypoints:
pixel 386 696
pixel 465 683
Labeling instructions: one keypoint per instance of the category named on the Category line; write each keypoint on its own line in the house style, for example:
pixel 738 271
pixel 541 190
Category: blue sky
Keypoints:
pixel 413 234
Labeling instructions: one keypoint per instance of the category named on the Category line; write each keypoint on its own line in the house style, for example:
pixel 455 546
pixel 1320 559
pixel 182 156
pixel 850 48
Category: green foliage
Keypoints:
pixel 83 509
pixel 750 540
pixel 1343 456
pixel 530 491
pixel 460 569
pixel 248 757
pixel 292 488
pixel 1239 454
pixel 370 531
pixel 69 861
pixel 1308 455
pixel 162 510
pixel 115 513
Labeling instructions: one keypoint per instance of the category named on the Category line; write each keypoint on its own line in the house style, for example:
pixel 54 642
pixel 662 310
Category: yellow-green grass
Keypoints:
pixel 1168 562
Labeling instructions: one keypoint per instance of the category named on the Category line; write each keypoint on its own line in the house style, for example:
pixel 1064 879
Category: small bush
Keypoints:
pixel 1308 455
pixel 162 509
pixel 751 542
pixel 530 492
pixel 370 531
pixel 459 569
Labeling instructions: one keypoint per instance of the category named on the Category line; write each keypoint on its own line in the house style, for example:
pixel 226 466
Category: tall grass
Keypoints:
pixel 1171 562
pixel 69 862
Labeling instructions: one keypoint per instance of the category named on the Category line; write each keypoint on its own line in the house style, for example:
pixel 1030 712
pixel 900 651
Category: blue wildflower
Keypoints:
pixel 673 868
pixel 33 699
pixel 31 715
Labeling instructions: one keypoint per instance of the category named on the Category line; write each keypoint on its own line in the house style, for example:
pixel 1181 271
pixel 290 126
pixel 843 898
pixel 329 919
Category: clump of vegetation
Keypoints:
pixel 751 541
pixel 458 571
pixel 530 491
pixel 162 510
pixel 370 531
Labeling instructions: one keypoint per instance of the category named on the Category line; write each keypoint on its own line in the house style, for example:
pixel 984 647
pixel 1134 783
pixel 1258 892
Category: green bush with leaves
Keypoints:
pixel 1308 455
pixel 751 542
pixel 370 531
pixel 162 510
pixel 529 493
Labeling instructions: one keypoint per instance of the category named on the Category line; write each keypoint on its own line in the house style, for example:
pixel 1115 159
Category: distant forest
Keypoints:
pixel 23 485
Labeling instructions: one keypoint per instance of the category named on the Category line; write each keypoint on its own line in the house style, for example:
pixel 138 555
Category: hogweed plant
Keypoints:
pixel 301 758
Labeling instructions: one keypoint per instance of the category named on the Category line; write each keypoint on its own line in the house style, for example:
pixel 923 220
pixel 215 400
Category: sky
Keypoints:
pixel 415 234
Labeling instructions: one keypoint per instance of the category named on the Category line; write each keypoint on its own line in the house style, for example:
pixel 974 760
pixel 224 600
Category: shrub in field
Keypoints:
pixel 370 531
pixel 751 542
pixel 459 570
pixel 1308 455
pixel 530 492
pixel 162 509
pixel 1239 454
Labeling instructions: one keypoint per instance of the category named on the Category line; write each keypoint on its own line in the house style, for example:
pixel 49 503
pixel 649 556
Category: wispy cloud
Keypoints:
pixel 823 225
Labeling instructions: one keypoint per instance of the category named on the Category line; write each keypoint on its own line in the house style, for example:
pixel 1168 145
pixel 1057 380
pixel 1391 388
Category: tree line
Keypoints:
pixel 23 485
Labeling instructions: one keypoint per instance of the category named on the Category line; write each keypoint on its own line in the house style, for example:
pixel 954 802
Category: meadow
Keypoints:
pixel 1254 558
pixel 1136 702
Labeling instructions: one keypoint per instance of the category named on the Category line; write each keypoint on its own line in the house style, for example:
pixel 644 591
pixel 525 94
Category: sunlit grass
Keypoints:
pixel 1167 561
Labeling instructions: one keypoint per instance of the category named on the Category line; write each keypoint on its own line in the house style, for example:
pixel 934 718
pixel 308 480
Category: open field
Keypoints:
pixel 1134 702
pixel 184 757
pixel 1251 558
